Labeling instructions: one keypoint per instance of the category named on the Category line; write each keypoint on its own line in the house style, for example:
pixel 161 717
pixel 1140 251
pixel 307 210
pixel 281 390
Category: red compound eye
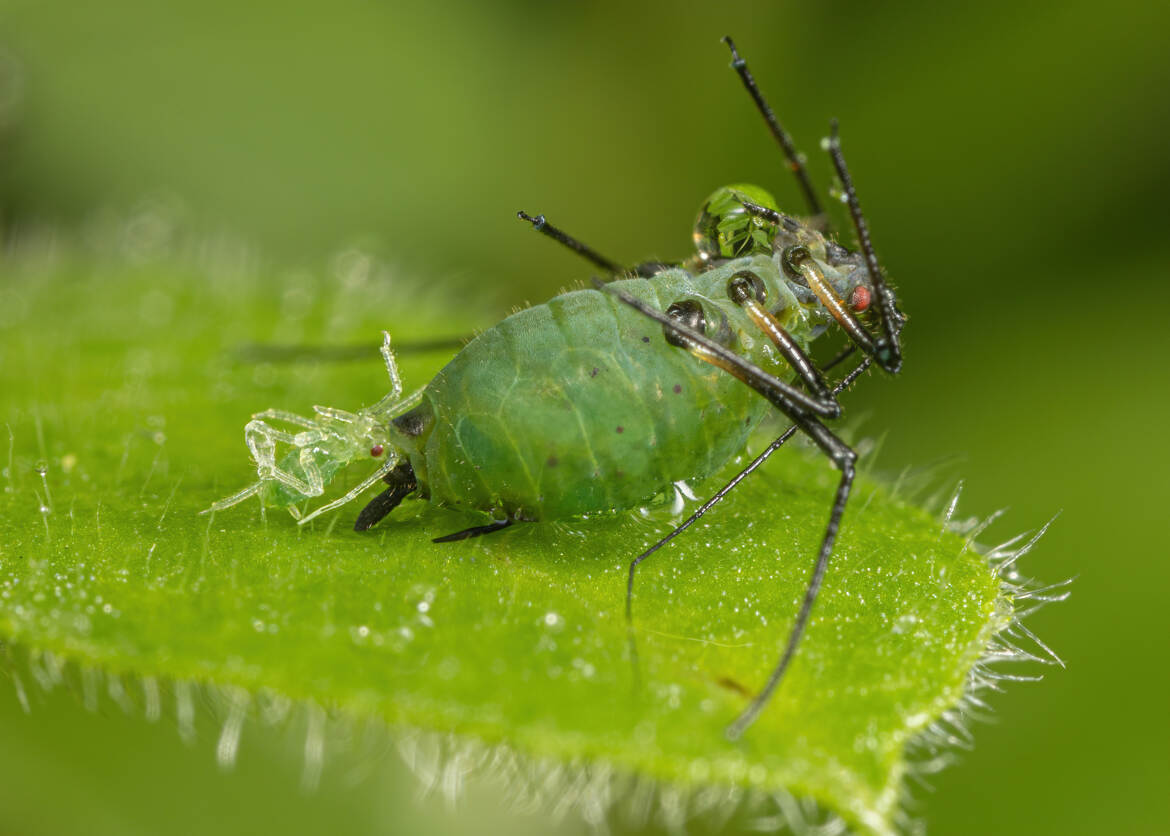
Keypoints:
pixel 860 298
pixel 377 450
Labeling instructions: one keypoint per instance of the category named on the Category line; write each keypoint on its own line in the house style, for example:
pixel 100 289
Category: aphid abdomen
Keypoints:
pixel 579 405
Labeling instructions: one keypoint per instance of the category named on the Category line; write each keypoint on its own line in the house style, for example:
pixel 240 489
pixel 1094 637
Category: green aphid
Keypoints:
pixel 601 400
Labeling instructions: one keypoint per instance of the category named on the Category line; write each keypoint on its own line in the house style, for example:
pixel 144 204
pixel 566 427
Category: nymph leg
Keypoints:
pixel 353 494
pixel 287 417
pixel 234 499
pixel 261 440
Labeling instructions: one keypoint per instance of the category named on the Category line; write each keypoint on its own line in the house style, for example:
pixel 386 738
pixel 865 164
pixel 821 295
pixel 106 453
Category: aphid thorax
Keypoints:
pixel 325 445
pixel 743 220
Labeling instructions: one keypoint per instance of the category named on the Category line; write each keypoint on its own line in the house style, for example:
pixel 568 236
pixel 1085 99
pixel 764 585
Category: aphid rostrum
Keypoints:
pixel 600 399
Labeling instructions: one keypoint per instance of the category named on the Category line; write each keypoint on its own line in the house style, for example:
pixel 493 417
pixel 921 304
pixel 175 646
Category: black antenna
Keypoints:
pixel 795 161
pixel 887 351
pixel 545 228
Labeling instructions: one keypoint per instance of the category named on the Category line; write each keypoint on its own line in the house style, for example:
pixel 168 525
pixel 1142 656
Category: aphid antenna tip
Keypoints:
pixel 735 59
pixel 537 221
pixel 831 143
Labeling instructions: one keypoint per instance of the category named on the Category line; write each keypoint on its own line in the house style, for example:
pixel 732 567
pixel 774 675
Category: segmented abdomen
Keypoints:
pixel 578 405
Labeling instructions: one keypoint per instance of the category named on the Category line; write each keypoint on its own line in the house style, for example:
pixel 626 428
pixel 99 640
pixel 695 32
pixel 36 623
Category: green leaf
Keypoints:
pixel 124 406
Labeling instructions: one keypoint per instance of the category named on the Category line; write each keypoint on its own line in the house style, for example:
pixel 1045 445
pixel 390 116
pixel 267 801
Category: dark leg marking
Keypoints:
pixel 474 531
pixel 402 483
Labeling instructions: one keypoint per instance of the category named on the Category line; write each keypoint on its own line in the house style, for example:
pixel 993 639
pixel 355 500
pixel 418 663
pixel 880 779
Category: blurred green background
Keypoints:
pixel 1012 161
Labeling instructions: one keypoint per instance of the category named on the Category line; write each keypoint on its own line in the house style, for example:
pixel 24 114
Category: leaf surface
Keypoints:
pixel 124 407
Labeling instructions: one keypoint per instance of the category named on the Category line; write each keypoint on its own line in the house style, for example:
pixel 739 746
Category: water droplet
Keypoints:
pixel 905 623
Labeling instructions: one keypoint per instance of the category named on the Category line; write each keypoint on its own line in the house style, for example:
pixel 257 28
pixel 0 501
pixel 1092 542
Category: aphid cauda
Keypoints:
pixel 600 399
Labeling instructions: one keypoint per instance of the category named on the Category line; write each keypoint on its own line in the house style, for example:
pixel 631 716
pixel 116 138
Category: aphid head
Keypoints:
pixel 726 229
pixel 799 249
pixel 860 298
pixel 853 280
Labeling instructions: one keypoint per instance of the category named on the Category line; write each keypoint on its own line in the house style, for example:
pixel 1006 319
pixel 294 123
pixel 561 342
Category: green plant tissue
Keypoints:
pixel 122 404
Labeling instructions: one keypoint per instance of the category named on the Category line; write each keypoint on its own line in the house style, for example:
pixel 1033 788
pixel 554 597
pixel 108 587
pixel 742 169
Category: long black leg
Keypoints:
pixel 795 162
pixel 844 458
pixel 838 452
pixel 402 483
pixel 718 496
pixel 474 531
pixel 842 355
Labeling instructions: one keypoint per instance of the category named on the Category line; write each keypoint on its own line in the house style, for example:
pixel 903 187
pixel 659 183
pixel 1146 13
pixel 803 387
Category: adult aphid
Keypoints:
pixel 601 399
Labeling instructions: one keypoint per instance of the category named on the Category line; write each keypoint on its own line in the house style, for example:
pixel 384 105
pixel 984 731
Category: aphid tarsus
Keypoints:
pixel 600 399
